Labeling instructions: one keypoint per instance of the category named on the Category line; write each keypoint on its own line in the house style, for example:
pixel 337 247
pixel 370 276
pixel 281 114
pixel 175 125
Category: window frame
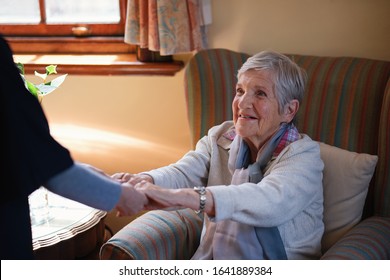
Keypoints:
pixel 68 38
pixel 51 39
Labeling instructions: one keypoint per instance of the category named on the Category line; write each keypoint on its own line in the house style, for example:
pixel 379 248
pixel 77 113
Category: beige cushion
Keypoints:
pixel 346 179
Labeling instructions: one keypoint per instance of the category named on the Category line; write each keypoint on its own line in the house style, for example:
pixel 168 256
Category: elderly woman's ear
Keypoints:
pixel 290 110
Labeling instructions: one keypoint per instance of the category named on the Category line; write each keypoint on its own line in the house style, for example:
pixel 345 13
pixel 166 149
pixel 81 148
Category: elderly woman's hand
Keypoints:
pixel 132 179
pixel 170 199
pixel 131 201
pixel 160 198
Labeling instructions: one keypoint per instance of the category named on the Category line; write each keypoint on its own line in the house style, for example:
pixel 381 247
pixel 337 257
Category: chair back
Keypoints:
pixel 210 82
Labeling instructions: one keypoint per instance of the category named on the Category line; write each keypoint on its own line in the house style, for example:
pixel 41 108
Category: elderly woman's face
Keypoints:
pixel 255 107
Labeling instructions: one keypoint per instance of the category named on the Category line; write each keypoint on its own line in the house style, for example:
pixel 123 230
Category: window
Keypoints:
pixel 64 26
pixel 77 27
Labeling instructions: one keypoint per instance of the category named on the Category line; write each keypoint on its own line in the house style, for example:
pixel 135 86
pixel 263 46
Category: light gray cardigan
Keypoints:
pixel 290 196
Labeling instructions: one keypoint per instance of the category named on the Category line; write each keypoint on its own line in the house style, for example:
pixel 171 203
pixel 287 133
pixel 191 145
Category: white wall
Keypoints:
pixel 120 123
pixel 318 27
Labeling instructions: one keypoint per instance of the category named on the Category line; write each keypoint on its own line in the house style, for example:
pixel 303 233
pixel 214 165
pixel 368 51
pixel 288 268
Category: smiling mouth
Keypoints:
pixel 247 117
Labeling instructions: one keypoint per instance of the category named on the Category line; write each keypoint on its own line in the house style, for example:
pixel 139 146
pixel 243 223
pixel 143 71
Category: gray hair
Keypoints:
pixel 290 79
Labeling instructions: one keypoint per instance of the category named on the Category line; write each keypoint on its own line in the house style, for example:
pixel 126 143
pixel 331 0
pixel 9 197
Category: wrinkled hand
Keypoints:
pixel 131 201
pixel 133 179
pixel 158 198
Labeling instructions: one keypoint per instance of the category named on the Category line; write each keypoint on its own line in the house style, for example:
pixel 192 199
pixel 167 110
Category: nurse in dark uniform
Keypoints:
pixel 31 157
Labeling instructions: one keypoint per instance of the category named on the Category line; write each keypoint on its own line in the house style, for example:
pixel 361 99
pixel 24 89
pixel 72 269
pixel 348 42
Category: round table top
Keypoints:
pixel 65 219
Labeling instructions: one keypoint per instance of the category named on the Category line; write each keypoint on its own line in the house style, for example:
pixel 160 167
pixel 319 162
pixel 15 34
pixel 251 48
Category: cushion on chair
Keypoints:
pixel 156 235
pixel 347 176
pixel 369 240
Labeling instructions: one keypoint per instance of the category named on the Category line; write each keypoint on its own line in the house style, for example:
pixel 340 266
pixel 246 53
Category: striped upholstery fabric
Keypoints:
pixel 343 101
pixel 343 106
pixel 156 235
pixel 369 240
pixel 210 82
pixel 382 191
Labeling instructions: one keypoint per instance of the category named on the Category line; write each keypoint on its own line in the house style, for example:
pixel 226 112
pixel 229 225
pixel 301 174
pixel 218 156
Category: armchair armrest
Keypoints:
pixel 156 235
pixel 368 240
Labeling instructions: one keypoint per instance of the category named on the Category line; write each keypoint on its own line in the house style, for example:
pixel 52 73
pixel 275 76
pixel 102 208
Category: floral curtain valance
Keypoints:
pixel 167 26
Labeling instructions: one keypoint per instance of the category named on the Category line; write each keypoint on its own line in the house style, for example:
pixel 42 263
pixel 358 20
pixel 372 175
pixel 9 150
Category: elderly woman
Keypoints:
pixel 256 178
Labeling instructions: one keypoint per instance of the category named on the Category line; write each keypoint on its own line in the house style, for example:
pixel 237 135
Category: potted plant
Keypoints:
pixel 46 87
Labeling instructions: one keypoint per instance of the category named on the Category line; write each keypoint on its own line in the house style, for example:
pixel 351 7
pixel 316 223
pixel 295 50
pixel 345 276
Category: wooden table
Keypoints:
pixel 70 231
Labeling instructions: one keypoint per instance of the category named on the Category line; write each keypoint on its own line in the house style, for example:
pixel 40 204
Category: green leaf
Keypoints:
pixel 51 69
pixel 33 89
pixel 20 67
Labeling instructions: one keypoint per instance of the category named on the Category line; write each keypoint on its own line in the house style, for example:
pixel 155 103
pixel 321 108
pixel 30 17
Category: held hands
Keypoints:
pixel 133 179
pixel 148 196
pixel 157 197
pixel 131 201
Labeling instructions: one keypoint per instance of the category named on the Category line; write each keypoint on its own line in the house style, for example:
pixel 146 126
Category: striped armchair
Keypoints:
pixel 347 105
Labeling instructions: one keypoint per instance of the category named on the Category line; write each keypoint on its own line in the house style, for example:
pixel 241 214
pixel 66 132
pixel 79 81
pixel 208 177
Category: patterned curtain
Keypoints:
pixel 167 26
